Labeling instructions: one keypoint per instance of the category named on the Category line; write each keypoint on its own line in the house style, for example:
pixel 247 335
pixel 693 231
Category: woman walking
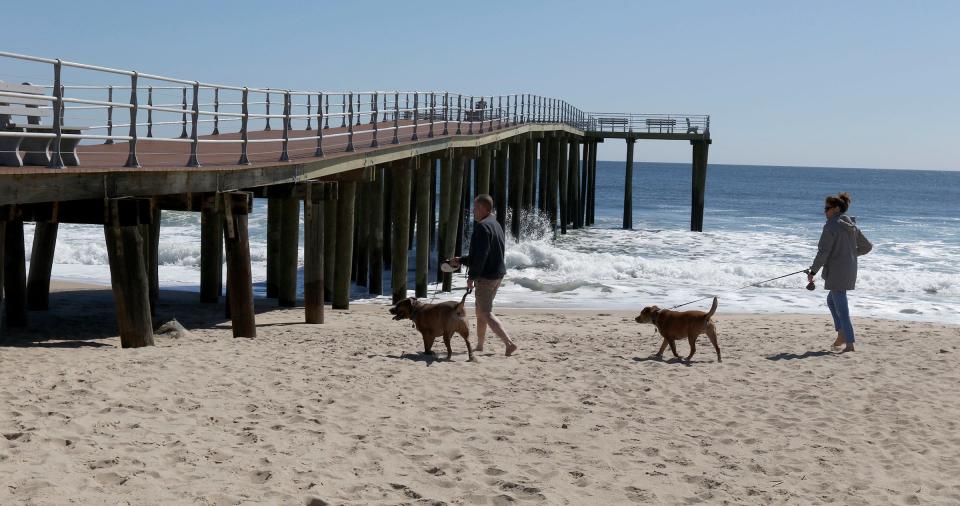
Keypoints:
pixel 841 242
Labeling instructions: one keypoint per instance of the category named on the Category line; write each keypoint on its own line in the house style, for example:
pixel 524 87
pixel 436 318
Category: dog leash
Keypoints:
pixel 758 283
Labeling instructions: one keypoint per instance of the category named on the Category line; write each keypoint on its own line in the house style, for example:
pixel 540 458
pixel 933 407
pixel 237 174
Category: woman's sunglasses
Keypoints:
pixel 827 208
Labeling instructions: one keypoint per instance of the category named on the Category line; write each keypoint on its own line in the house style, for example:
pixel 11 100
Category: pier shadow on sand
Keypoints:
pixel 794 356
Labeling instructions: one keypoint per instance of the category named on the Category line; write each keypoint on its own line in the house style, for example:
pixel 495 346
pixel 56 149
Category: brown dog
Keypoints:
pixel 675 325
pixel 435 320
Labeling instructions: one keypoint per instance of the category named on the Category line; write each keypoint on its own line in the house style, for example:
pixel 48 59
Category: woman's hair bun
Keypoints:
pixel 845 197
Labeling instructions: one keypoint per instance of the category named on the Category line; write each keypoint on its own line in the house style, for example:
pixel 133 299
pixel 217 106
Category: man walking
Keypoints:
pixel 486 270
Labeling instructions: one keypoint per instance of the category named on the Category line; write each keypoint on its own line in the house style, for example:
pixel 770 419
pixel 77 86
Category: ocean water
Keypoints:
pixel 760 222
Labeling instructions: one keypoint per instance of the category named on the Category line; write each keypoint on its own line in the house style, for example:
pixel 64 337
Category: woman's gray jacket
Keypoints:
pixel 841 242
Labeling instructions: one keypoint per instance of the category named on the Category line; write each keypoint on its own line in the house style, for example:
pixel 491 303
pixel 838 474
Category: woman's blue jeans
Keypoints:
pixel 837 302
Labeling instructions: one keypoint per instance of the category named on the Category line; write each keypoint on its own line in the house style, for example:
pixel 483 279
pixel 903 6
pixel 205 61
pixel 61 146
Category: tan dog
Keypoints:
pixel 675 325
pixel 435 320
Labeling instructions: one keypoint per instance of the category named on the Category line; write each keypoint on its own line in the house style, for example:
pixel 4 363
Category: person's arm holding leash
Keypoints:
pixel 823 251
pixel 863 244
pixel 479 249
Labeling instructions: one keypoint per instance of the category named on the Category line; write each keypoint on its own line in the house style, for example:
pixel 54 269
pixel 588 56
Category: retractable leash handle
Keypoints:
pixel 811 285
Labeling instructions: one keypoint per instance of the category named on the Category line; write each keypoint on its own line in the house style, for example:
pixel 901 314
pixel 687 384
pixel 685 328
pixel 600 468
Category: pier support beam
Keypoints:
pixel 563 171
pixel 402 174
pixel 151 255
pixel 274 224
pixel 329 243
pixel 518 162
pixel 530 174
pixel 483 170
pixel 628 188
pixel 446 172
pixel 211 252
pixel 375 199
pixel 584 185
pixel 313 248
pixel 700 151
pixel 128 275
pixel 344 246
pixel 41 265
pixel 455 191
pixel 287 258
pixel 15 275
pixel 423 193
pixel 574 183
pixel 593 182
pixel 553 182
pixel 236 238
pixel 363 206
pixel 500 185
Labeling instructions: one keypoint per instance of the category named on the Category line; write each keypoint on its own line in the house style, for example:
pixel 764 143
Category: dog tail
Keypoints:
pixel 713 308
pixel 463 299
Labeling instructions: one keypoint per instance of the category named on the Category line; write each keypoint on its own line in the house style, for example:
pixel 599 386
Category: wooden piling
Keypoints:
pixel 329 243
pixel 518 162
pixel 128 276
pixel 466 199
pixel 453 213
pixel 402 174
pixel 500 184
pixel 387 210
pixel 41 265
pixel 530 174
pixel 375 199
pixel 236 238
pixel 547 149
pixel 700 152
pixel 561 183
pixel 15 275
pixel 593 183
pixel 274 223
pixel 423 193
pixel 433 202
pixel 483 170
pixel 313 250
pixel 446 171
pixel 151 255
pixel 288 256
pixel 584 185
pixel 211 251
pixel 363 232
pixel 574 181
pixel 344 258
pixel 628 187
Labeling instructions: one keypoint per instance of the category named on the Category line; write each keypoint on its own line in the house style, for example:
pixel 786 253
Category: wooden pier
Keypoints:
pixel 376 177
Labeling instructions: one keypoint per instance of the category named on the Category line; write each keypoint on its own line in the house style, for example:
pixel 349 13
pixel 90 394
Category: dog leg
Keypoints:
pixel 693 347
pixel 663 346
pixel 427 345
pixel 465 333
pixel 446 341
pixel 673 348
pixel 712 334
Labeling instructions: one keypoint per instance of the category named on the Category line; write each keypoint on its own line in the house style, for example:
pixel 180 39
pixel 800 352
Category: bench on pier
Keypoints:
pixel 477 113
pixel 36 150
pixel 613 123
pixel 692 129
pixel 662 124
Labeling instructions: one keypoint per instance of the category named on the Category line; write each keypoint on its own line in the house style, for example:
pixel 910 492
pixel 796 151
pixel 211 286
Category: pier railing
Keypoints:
pixel 650 123
pixel 127 106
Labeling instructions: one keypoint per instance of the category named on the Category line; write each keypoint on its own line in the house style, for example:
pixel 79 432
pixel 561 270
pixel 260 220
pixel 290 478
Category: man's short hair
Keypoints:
pixel 486 200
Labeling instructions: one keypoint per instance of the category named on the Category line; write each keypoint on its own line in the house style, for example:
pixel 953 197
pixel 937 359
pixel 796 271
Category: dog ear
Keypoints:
pixel 654 308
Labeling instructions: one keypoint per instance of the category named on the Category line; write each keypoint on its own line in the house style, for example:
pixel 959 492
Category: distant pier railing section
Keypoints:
pixel 176 110
pixel 613 122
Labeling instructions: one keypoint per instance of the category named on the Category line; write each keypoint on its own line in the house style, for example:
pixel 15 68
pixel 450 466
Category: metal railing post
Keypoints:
pixel 109 115
pixel 516 117
pixel 482 112
pixel 343 107
pixel 416 114
pixel 350 125
pixel 56 160
pixel 470 116
pixel 244 118
pixel 386 108
pixel 149 111
pixel 459 113
pixel 359 108
pixel 183 120
pixel 194 161
pixel 491 114
pixel 309 117
pixel 326 112
pixel 267 129
pixel 285 155
pixel 216 109
pixel 132 155
pixel 433 112
pixel 499 113
pixel 320 122
pixel 373 115
pixel 396 118
pixel 446 113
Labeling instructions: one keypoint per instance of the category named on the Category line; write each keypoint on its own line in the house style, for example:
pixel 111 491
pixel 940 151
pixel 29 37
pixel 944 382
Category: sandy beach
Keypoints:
pixel 351 412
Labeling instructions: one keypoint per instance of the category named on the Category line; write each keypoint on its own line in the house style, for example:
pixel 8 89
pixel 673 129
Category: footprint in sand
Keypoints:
pixel 522 491
pixel 639 495
pixel 260 477
pixel 493 471
pixel 110 479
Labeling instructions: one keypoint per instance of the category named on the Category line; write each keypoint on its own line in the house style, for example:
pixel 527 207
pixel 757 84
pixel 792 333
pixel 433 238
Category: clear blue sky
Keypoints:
pixel 823 83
